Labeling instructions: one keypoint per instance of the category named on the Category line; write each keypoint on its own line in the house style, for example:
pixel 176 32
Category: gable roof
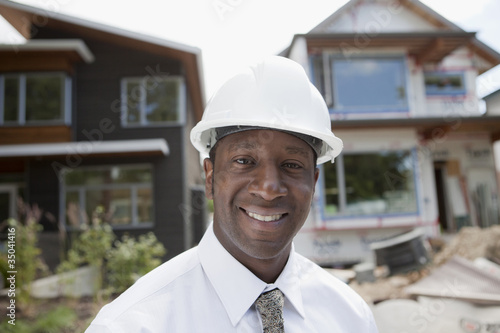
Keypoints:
pixel 430 45
pixel 415 6
pixel 23 18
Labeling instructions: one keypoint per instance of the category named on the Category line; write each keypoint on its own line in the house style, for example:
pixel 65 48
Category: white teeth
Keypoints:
pixel 265 218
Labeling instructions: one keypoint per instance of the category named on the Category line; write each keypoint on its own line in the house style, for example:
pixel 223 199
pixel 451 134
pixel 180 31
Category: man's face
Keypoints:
pixel 262 185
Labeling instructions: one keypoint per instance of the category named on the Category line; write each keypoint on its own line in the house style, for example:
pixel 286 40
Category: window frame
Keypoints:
pixel 340 169
pixel 143 83
pixel 21 108
pixel 330 92
pixel 83 189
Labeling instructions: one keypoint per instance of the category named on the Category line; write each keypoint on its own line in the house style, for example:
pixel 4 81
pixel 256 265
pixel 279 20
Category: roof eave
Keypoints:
pixel 21 17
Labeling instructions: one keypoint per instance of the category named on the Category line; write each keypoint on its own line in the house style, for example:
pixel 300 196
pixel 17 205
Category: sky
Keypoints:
pixel 234 33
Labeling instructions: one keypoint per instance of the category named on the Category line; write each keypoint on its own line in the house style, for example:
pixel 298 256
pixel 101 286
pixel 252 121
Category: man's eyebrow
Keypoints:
pixel 242 145
pixel 298 150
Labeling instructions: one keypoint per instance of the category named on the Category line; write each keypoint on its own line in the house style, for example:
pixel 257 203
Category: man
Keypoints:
pixel 264 132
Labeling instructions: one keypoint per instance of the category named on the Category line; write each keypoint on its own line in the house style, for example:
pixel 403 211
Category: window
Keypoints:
pixel 370 184
pixel 360 84
pixel 34 98
pixel 124 193
pixel 444 83
pixel 155 100
pixel 12 189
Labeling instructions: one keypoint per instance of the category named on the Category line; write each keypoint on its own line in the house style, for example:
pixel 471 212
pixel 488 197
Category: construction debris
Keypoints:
pixel 458 290
pixel 459 278
pixel 471 243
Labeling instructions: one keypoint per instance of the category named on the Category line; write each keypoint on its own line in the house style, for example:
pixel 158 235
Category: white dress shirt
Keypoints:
pixel 206 290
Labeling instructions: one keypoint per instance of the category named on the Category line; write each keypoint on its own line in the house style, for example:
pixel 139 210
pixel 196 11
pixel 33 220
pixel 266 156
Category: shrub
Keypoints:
pixel 131 259
pixel 119 266
pixel 89 248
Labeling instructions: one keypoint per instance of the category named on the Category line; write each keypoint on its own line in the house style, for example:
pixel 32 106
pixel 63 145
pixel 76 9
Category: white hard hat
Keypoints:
pixel 277 94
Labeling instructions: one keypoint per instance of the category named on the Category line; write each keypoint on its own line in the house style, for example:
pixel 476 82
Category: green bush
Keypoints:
pixel 131 259
pixel 89 248
pixel 119 266
pixel 27 255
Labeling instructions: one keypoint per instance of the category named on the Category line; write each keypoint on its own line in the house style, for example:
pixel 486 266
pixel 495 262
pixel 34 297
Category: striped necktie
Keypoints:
pixel 270 306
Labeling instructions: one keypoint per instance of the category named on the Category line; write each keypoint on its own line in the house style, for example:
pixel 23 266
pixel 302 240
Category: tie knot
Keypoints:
pixel 270 306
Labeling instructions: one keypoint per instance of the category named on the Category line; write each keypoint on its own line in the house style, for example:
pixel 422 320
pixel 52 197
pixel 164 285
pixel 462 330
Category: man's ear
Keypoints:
pixel 316 176
pixel 208 167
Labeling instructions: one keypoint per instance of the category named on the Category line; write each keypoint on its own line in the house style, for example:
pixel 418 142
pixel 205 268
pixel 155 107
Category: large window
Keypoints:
pixel 370 184
pixel 152 101
pixel 123 193
pixel 34 98
pixel 361 84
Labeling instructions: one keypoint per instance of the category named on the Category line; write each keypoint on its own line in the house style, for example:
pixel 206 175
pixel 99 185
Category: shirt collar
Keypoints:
pixel 236 286
pixel 289 282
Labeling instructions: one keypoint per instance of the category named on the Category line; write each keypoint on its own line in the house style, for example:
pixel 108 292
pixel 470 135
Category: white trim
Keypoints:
pixel 77 45
pixel 85 148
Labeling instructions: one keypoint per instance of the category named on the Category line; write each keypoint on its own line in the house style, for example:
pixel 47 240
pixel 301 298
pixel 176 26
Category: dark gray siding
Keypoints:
pixel 96 99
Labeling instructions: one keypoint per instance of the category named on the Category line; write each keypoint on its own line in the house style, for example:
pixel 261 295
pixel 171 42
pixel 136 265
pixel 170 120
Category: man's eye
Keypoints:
pixel 292 165
pixel 242 161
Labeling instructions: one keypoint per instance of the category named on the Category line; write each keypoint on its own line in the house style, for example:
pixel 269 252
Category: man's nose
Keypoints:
pixel 267 182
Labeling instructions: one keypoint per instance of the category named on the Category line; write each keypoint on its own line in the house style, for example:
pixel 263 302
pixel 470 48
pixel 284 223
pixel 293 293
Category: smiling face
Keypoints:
pixel 262 185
